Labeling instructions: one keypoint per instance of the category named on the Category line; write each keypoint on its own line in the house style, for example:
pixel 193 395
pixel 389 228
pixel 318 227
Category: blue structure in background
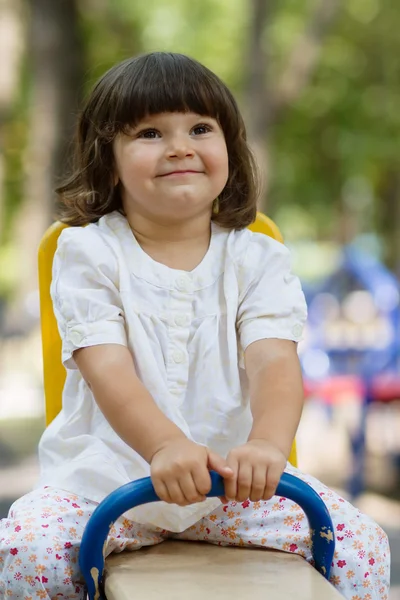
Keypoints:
pixel 354 329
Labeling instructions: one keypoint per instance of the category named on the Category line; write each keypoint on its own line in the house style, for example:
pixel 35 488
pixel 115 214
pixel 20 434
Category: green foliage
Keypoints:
pixel 15 138
pixel 213 31
pixel 342 133
pixel 346 125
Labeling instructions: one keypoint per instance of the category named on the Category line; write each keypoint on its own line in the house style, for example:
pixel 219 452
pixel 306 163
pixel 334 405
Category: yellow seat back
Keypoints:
pixel 53 369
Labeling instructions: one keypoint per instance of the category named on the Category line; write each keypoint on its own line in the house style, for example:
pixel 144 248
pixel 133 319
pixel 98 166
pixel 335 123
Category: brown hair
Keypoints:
pixel 149 84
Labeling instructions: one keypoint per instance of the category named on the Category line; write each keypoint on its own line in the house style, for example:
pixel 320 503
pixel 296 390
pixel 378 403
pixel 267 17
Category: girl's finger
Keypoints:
pixel 273 477
pixel 175 493
pixel 202 480
pixel 244 481
pixel 189 490
pixel 258 483
pixel 230 484
pixel 161 490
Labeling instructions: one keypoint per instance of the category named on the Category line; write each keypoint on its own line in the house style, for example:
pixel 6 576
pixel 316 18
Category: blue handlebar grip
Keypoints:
pixel 91 555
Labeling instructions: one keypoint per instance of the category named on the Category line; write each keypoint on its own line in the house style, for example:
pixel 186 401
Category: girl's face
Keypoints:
pixel 172 166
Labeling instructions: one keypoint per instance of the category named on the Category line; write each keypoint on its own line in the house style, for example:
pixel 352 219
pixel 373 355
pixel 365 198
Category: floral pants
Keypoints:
pixel 39 541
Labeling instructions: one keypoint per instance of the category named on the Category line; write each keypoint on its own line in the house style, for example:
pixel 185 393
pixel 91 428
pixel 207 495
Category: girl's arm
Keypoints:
pixel 179 467
pixel 276 400
pixel 276 391
pixel 109 371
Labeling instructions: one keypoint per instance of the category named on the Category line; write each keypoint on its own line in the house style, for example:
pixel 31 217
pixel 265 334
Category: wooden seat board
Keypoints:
pixel 195 570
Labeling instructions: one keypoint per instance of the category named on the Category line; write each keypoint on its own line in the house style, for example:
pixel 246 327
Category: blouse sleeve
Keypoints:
pixel 84 291
pixel 271 302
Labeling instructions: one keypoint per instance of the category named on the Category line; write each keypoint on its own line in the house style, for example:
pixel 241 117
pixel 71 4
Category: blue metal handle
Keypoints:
pixel 91 557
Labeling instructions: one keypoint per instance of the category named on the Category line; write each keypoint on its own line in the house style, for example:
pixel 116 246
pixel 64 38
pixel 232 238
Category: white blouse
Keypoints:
pixel 187 332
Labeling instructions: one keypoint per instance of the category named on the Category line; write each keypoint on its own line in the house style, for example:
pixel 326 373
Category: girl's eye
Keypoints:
pixel 201 129
pixel 149 134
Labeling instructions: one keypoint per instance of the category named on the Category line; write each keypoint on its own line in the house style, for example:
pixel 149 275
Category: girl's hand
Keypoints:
pixel 257 467
pixel 180 471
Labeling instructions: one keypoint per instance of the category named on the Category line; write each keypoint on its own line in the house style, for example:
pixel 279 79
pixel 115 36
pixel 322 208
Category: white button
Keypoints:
pixel 178 356
pixel 297 330
pixel 181 320
pixel 182 283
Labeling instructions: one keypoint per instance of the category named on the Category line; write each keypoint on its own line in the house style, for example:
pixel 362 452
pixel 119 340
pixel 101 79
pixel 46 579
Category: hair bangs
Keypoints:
pixel 163 82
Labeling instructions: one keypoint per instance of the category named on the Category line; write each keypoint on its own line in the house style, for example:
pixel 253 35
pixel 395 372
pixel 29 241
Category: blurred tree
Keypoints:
pixel 318 84
pixel 269 101
pixel 11 50
pixel 336 150
pixel 55 63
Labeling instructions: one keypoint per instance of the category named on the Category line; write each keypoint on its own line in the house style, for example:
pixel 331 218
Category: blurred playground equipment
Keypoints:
pixel 352 346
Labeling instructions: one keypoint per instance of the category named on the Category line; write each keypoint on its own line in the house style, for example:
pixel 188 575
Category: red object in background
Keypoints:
pixel 334 390
pixel 386 387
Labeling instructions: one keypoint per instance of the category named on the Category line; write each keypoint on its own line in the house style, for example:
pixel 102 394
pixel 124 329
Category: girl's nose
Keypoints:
pixel 179 148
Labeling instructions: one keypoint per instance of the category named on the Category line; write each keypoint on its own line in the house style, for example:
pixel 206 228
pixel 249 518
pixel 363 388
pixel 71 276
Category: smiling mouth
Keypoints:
pixel 180 173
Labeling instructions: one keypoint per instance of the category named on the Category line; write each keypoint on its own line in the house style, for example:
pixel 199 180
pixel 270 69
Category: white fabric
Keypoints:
pixel 187 332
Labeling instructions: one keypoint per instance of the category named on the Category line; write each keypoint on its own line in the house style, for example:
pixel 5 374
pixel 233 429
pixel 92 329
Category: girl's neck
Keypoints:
pixel 180 246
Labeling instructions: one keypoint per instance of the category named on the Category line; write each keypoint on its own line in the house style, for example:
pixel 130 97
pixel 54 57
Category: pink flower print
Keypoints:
pixel 60 520
pixel 293 547
pixel 49 550
pixel 75 505
pixel 58 557
pixel 246 503
pixel 371 561
pixel 14 551
pixel 224 532
pixel 348 533
pixel 44 579
pixel 341 563
pixel 296 527
pixel 366 574
pixel 340 527
pixel 18 576
pixel 67 500
pixel 340 538
pixel 18 528
pixel 67 545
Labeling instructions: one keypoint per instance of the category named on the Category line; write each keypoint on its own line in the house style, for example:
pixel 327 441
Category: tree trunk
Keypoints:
pixel 257 104
pixel 265 102
pixel 390 219
pixel 56 66
pixel 11 50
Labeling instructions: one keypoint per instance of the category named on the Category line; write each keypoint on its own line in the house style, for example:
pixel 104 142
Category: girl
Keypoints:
pixel 179 329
